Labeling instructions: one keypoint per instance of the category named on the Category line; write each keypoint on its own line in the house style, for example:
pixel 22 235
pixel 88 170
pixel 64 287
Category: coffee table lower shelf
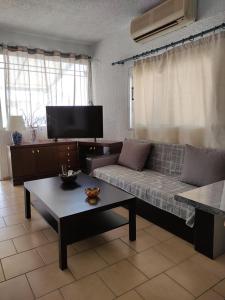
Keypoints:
pixel 85 226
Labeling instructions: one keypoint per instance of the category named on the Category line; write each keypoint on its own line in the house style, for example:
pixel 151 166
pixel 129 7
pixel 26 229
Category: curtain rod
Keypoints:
pixel 42 51
pixel 173 44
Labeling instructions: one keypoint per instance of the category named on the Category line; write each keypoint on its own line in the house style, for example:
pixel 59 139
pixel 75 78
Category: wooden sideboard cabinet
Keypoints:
pixel 33 161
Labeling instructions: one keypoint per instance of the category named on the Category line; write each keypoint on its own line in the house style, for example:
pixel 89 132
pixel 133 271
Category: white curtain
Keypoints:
pixel 180 94
pixel 29 82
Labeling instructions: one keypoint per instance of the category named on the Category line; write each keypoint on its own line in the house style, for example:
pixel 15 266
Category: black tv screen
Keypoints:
pixel 74 121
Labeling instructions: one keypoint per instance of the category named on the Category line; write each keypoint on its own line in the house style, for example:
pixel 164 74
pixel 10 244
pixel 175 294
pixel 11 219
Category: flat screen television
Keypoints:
pixel 74 122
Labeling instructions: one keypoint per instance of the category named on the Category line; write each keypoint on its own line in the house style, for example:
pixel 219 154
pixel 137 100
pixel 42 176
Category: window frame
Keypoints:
pixel 130 99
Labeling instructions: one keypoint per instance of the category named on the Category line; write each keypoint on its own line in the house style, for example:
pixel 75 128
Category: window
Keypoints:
pixel 29 82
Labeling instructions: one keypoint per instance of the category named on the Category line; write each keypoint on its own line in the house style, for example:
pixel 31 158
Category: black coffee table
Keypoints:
pixel 67 210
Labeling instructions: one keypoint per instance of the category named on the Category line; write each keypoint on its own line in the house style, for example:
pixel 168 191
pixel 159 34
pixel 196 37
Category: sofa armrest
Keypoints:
pixel 101 161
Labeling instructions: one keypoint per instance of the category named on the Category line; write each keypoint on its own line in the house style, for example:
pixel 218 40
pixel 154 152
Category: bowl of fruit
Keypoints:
pixel 69 176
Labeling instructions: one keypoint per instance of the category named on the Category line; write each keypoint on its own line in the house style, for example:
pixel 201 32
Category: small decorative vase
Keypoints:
pixel 16 138
pixel 33 135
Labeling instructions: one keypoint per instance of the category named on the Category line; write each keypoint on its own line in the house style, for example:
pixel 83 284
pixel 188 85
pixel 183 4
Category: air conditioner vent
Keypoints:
pixel 168 16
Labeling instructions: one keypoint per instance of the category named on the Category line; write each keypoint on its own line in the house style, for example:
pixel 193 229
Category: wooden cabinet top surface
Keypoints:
pixel 103 143
pixel 43 144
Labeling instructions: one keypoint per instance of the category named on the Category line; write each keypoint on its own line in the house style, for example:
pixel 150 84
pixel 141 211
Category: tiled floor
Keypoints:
pixel 157 266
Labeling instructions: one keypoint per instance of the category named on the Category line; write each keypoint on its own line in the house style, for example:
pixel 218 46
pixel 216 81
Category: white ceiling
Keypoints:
pixel 86 21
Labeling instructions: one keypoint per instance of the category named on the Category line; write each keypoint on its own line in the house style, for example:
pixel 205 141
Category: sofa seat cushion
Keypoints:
pixel 151 186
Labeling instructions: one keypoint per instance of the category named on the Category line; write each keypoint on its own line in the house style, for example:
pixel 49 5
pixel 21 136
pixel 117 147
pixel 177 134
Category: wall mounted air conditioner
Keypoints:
pixel 170 15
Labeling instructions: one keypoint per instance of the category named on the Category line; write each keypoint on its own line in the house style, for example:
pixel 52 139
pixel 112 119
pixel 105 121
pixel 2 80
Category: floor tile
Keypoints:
pixel 210 295
pixel 50 252
pixel 11 210
pixel 52 296
pixel 142 223
pixel 122 211
pixel 163 288
pixel 21 263
pixel 194 277
pixel 114 251
pixel 16 289
pixel 85 263
pixel 7 248
pixel 35 225
pixel 143 241
pixel 10 232
pixel 7 201
pixel 121 277
pixel 115 233
pixel 29 241
pixel 175 249
pixel 2 278
pixel 50 234
pixel 215 266
pixel 220 288
pixel 89 243
pixel 88 288
pixel 46 279
pixel 18 218
pixel 132 295
pixel 159 233
pixel 151 262
pixel 2 223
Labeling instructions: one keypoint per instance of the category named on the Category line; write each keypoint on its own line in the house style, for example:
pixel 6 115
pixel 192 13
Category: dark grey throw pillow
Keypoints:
pixel 134 154
pixel 203 166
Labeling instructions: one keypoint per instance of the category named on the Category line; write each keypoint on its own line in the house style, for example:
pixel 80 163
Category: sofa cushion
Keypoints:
pixel 151 186
pixel 134 154
pixel 166 158
pixel 203 166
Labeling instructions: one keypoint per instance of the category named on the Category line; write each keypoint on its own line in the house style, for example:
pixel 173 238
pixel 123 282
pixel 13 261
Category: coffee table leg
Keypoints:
pixel 62 246
pixel 27 203
pixel 132 220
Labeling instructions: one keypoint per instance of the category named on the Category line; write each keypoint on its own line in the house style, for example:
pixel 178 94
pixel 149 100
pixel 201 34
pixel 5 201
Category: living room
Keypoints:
pixel 132 118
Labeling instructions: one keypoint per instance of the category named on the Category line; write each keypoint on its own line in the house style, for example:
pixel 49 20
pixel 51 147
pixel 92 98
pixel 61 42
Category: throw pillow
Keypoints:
pixel 203 166
pixel 134 154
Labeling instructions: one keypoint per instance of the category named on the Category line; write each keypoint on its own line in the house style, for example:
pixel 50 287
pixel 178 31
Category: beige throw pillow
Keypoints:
pixel 203 166
pixel 134 154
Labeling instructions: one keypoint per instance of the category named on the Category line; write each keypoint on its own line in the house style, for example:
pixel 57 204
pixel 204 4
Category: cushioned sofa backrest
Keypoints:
pixel 166 158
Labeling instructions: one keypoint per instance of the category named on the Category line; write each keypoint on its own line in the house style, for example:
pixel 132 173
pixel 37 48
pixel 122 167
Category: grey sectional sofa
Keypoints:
pixel 155 188
pixel 157 184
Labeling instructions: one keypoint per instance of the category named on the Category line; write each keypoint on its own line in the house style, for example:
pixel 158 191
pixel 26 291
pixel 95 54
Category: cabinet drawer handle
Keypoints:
pixel 38 151
pixel 68 160
pixel 32 151
pixel 68 148
pixel 68 154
